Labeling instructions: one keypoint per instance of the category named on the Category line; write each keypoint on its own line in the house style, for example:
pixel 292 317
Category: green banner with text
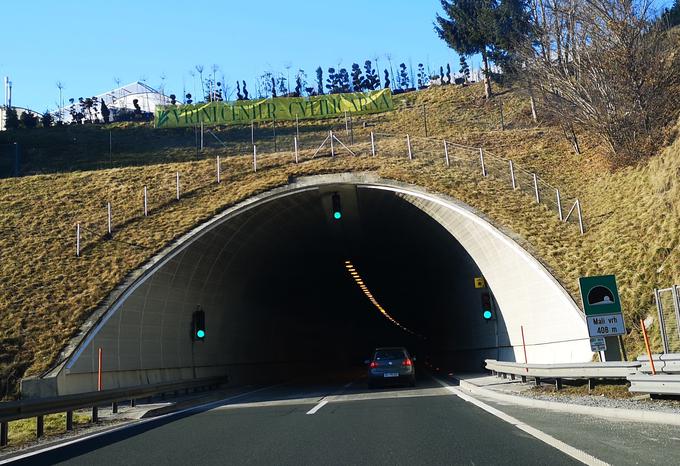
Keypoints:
pixel 279 109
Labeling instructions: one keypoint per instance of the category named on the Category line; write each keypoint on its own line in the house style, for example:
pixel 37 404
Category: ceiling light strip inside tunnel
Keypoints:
pixel 360 283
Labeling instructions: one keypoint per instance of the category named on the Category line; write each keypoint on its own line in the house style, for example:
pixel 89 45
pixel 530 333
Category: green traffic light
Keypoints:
pixel 200 333
pixel 487 315
pixel 337 215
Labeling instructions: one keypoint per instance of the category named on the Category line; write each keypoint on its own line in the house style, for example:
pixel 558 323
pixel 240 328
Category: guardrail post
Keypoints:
pixel 372 144
pixel 408 143
pixel 77 239
pixel 481 160
pixel 255 158
pixel 558 384
pixel 446 154
pixel 524 379
pixel 4 433
pixel 114 407
pixel 580 217
pixel 591 384
pixel 133 403
pixel 217 168
pixel 40 426
pixel 95 414
pixel 537 381
pixel 146 205
pixel 332 145
pixel 512 175
pixel 538 196
pixel 69 420
pixel 296 148
pixel 177 185
pixel 512 376
pixel 559 204
pixel 108 212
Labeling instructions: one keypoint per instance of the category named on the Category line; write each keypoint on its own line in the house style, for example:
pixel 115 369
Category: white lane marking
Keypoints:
pixel 575 453
pixel 128 426
pixel 347 385
pixel 318 407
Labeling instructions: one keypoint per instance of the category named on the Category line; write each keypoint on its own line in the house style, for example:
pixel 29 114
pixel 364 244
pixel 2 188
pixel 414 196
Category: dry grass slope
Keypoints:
pixel 632 215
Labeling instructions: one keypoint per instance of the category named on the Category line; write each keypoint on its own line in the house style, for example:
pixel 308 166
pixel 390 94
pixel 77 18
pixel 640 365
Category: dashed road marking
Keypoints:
pixel 320 405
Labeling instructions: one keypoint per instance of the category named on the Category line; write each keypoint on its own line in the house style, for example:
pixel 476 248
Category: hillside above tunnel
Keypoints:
pixel 632 214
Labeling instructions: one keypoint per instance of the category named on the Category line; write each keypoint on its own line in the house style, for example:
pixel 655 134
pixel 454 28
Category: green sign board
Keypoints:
pixel 600 295
pixel 276 109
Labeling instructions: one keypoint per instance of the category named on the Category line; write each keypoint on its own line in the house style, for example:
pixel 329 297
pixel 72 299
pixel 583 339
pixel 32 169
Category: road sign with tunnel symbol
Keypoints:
pixel 600 295
pixel 602 306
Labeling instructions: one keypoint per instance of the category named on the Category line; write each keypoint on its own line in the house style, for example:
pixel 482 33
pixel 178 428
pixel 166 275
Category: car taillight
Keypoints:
pixel 373 364
pixel 407 362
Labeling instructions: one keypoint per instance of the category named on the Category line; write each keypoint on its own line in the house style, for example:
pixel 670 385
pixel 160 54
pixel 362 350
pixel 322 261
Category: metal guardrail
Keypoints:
pixel 38 408
pixel 590 371
pixel 663 363
pixel 659 384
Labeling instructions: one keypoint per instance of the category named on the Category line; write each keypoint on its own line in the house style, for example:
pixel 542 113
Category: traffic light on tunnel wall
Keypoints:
pixel 337 208
pixel 198 325
pixel 487 307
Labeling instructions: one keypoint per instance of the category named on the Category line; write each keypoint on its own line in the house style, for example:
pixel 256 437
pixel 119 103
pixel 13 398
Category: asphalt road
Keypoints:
pixel 355 425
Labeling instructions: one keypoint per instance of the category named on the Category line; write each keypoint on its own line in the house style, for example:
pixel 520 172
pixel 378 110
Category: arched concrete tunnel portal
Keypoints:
pixel 270 275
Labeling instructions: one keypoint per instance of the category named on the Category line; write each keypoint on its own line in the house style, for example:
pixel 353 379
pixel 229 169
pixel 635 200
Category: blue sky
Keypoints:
pixel 87 43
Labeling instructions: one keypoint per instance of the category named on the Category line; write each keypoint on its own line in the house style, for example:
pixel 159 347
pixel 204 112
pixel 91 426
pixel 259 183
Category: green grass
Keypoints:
pixel 23 431
pixel 632 214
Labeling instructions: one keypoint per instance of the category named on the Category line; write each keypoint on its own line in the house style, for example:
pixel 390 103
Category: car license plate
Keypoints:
pixel 391 374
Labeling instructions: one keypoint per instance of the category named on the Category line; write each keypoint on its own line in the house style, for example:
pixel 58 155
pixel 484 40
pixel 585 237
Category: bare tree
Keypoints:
pixel 605 65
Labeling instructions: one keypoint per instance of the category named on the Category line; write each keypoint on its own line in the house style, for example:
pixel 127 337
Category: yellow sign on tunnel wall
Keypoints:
pixel 479 282
pixel 279 109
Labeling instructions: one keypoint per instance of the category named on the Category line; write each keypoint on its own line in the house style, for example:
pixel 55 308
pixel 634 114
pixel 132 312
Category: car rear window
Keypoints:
pixel 389 354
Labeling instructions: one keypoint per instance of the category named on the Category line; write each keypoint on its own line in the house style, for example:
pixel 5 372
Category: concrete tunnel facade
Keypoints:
pixel 269 274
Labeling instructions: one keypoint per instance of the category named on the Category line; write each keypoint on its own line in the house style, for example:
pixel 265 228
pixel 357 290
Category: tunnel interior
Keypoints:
pixel 314 310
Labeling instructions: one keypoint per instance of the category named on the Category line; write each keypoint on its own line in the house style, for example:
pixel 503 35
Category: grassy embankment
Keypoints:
pixel 632 215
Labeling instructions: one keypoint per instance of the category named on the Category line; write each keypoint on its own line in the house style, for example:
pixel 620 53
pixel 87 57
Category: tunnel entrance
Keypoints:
pixel 271 276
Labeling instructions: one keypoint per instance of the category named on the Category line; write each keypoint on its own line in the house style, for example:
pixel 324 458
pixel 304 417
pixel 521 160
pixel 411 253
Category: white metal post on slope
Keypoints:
pixel 446 154
pixel 512 175
pixel 408 143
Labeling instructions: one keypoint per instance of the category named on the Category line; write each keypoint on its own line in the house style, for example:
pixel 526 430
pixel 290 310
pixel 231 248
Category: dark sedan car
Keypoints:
pixel 391 365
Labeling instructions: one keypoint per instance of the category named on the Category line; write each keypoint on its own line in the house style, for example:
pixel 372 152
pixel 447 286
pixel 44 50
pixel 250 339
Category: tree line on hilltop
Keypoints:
pixel 608 66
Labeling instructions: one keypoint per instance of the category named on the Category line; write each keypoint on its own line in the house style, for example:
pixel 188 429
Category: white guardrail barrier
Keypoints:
pixel 590 371
pixel 638 373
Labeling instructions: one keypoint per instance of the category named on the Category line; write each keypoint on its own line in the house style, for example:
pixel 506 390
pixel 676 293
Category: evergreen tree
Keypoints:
pixel 387 79
pixel 11 118
pixel 273 88
pixel 464 68
pixel 344 81
pixel 448 73
pixel 245 91
pixel 671 17
pixel 423 78
pixel 357 78
pixel 441 74
pixel 239 96
pixel 283 86
pixel 28 120
pixel 403 76
pixel 332 81
pixel 486 27
pixel 371 82
pixel 188 99
pixel 319 81
pixel 47 119
pixel 106 113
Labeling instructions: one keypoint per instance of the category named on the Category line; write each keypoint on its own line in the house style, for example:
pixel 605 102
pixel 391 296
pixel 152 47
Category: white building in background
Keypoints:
pixel 122 99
